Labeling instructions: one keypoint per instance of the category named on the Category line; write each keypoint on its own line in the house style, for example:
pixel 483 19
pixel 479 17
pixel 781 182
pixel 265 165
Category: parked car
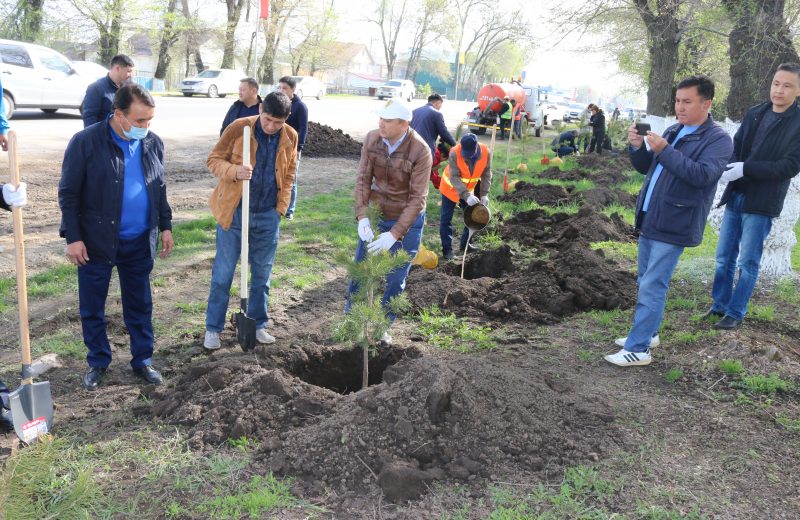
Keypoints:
pixel 572 113
pixel 90 70
pixel 34 76
pixel 402 88
pixel 213 83
pixel 309 86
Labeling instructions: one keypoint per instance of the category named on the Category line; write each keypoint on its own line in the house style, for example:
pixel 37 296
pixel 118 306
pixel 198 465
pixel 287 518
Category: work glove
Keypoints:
pixel 16 198
pixel 472 200
pixel 384 242
pixel 485 200
pixel 734 172
pixel 365 230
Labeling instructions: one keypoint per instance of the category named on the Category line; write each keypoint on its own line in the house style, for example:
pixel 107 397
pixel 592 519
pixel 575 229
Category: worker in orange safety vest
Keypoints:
pixel 468 172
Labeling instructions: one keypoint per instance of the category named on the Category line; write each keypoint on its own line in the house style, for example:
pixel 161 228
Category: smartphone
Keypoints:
pixel 642 128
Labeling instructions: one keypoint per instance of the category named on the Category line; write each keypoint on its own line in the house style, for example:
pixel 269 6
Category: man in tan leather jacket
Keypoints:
pixel 273 156
pixel 393 175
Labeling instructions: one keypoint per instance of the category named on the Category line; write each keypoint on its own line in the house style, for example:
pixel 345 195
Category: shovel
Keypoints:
pixel 245 327
pixel 32 403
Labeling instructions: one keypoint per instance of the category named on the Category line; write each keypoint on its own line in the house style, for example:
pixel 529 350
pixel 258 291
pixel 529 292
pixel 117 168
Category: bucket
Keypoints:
pixel 476 217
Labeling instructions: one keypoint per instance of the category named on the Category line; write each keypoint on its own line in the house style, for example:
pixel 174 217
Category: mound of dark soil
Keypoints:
pixel 537 228
pixel 605 161
pixel 605 176
pixel 324 141
pixel 604 196
pixel 543 194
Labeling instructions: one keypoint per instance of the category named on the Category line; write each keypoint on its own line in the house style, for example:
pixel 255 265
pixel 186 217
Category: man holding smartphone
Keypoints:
pixel 682 169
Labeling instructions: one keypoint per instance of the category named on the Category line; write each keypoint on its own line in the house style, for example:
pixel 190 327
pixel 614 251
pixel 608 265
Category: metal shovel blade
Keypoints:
pixel 245 331
pixel 31 410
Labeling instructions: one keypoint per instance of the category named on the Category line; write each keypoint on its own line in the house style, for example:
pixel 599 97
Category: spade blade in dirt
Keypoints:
pixel 31 410
pixel 245 330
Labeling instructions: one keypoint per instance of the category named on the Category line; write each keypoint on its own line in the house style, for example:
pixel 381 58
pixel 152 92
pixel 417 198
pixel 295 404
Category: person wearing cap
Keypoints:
pixel 392 175
pixel 506 113
pixel 473 164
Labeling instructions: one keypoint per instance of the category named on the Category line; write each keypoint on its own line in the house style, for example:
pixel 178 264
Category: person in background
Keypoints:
pixel 598 124
pixel 248 104
pixel 298 119
pixel 564 144
pixel 585 130
pixel 97 103
pixel 428 122
pixel 506 114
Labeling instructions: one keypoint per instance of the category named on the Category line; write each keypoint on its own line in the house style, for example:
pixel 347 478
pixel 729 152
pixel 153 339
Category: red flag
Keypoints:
pixel 264 9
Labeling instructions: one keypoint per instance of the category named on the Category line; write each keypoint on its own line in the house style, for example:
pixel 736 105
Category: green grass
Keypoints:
pixel 764 385
pixel 191 308
pixel 63 343
pixel 625 212
pixel 731 367
pixel 446 331
pixel 691 337
pixel 786 291
pixel 618 250
pixel 787 422
pixel 259 496
pixel 52 282
pixel 673 375
pixel 762 312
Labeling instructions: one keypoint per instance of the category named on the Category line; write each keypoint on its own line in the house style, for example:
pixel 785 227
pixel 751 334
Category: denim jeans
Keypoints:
pixel 293 200
pixel 742 235
pixel 396 279
pixel 262 242
pixel 657 261
pixel 134 265
pixel 446 225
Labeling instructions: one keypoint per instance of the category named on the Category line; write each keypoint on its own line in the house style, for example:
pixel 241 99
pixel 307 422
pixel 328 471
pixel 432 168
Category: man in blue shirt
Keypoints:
pixel 428 122
pixel 100 94
pixel 298 119
pixel 682 169
pixel 3 123
pixel 113 201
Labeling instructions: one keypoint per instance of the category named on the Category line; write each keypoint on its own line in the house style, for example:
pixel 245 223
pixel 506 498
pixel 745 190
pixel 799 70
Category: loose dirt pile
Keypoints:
pixel 542 194
pixel 607 175
pixel 324 141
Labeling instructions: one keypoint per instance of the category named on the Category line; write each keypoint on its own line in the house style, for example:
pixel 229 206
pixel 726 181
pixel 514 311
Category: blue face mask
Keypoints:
pixel 135 133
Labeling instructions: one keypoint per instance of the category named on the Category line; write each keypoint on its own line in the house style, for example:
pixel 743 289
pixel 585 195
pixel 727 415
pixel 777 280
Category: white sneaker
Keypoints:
pixel 623 358
pixel 212 340
pixel 262 336
pixel 654 342
pixel 386 338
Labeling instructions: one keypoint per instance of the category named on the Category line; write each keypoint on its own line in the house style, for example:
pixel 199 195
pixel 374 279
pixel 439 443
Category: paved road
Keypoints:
pixel 180 118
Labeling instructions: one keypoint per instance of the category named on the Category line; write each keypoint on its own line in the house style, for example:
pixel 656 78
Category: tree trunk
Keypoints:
pixel 234 13
pixel 29 16
pixel 191 41
pixel 758 43
pixel 168 37
pixel 664 35
pixel 109 35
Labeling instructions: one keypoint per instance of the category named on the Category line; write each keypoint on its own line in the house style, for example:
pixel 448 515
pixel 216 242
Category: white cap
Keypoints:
pixel 395 110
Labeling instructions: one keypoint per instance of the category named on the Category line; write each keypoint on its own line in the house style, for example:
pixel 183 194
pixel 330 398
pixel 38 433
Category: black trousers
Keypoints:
pixel 597 140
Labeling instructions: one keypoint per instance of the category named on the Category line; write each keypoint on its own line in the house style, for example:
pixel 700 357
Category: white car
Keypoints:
pixel 213 83
pixel 309 86
pixel 90 69
pixel 401 88
pixel 34 76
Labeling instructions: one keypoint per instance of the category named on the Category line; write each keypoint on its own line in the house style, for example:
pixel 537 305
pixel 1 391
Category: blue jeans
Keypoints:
pixel 293 200
pixel 446 225
pixel 396 279
pixel 263 242
pixel 657 261
pixel 742 235
pixel 134 265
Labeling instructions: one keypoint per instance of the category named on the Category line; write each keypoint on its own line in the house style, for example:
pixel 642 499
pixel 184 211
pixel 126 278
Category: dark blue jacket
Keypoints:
pixel 3 204
pixel 683 195
pixel 234 113
pixel 98 100
pixel 90 190
pixel 768 169
pixel 429 124
pixel 298 120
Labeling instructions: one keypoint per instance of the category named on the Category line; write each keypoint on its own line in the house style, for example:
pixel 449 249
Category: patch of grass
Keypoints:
pixel 673 375
pixel 764 385
pixel 446 331
pixel 787 422
pixel 243 443
pixel 489 240
pixel 586 356
pixel 762 312
pixel 618 250
pixel 608 319
pixel 651 512
pixel 62 343
pixel 731 367
pixel 786 290
pixel 624 211
pixel 690 338
pixel 681 303
pixel 191 308
pixel 259 496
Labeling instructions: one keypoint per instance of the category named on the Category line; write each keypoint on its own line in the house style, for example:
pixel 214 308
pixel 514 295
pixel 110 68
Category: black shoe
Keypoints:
pixel 448 255
pixel 727 323
pixel 93 377
pixel 711 313
pixel 149 374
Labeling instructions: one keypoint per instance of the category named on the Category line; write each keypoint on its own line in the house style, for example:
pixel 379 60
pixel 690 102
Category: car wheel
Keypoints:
pixel 478 131
pixel 380 98
pixel 538 132
pixel 223 95
pixel 49 110
pixel 187 94
pixel 9 104
pixel 320 94
pixel 212 91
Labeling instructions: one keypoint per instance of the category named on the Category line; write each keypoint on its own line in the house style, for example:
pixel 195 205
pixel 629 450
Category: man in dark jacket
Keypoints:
pixel 598 123
pixel 766 155
pixel 248 104
pixel 682 169
pixel 298 120
pixel 113 201
pixel 564 144
pixel 428 122
pixel 100 94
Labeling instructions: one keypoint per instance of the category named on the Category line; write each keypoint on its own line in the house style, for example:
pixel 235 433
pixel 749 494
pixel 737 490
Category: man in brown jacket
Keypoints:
pixel 273 154
pixel 393 175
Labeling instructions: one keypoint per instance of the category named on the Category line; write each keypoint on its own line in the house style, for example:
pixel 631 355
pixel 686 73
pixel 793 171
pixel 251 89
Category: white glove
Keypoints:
pixel 734 172
pixel 485 200
pixel 16 198
pixel 472 200
pixel 384 242
pixel 365 230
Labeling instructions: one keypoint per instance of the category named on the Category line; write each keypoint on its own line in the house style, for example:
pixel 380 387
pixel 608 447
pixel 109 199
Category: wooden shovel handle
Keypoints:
pixel 19 252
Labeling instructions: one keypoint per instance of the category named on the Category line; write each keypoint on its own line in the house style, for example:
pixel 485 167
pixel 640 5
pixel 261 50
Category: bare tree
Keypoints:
pixel 759 42
pixel 24 22
pixel 106 17
pixel 429 29
pixel 389 17
pixel 234 10
pixel 465 10
pixel 281 12
pixel 314 34
pixel 170 33
pixel 192 45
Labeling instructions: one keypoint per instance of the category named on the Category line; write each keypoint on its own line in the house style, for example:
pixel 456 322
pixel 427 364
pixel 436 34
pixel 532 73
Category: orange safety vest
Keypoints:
pixel 469 178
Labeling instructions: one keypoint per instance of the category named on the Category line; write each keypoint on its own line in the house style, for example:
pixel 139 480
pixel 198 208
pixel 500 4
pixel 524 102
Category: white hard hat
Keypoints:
pixel 395 110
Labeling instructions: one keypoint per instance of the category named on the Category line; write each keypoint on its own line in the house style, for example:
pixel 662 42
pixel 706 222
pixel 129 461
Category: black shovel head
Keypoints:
pixel 245 331
pixel 31 410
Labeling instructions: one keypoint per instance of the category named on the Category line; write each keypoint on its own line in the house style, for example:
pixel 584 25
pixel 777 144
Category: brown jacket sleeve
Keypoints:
pixel 417 188
pixel 364 178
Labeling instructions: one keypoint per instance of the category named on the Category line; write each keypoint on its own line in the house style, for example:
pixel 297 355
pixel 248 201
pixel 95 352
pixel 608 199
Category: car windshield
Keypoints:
pixel 298 79
pixel 394 84
pixel 209 74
